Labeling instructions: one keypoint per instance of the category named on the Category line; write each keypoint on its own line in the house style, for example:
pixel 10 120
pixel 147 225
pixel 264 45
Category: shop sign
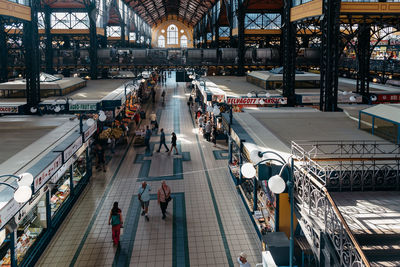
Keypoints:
pixel 314 99
pixel 89 132
pixel 51 108
pixel 61 171
pixel 67 164
pixel 310 99
pixel 42 178
pixel 73 148
pixel 256 101
pixel 8 211
pixel 9 109
pixel 387 98
pixel 28 206
pixel 83 107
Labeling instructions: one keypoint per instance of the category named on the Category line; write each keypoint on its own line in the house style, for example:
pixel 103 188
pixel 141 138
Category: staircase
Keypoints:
pixel 380 249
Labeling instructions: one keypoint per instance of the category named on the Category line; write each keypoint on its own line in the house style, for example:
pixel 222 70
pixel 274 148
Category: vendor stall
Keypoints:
pixel 59 178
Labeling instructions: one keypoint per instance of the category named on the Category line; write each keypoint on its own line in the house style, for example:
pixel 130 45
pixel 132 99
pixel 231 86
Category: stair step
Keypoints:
pixel 387 255
pixel 378 239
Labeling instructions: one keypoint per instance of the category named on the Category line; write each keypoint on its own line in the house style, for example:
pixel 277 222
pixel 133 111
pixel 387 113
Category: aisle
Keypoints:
pixel 206 223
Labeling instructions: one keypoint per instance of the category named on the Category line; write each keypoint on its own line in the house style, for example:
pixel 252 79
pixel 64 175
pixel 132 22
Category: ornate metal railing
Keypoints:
pixel 317 207
pixel 345 149
pixel 351 165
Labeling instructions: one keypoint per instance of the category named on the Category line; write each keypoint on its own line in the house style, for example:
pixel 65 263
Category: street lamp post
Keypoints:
pixel 90 121
pixel 275 183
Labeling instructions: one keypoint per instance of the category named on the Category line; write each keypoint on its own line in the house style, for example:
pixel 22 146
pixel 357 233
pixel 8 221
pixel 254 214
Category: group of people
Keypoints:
pixel 163 198
pixel 207 127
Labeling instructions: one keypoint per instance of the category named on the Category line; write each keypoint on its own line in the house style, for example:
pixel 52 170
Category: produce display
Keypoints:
pixel 111 133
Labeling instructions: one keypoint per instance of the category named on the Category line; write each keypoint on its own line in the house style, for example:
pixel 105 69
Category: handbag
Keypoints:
pixel 167 199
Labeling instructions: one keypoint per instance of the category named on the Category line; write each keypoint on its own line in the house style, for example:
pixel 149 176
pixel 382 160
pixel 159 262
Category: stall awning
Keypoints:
pixel 389 112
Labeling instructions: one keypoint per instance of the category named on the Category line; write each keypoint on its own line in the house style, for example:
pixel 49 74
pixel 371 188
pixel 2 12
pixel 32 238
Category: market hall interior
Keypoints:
pixel 206 221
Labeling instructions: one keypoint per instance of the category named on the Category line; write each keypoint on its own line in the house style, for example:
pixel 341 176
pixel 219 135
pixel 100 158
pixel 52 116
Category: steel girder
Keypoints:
pixel 330 30
pixel 91 8
pixel 49 40
pixel 241 13
pixel 32 56
pixel 289 55
pixel 363 58
pixel 3 53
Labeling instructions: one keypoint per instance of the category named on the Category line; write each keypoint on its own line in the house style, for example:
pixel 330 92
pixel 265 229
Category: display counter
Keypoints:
pixel 59 178
pixel 30 228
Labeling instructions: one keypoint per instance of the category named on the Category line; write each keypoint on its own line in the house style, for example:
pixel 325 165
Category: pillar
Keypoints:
pixel 3 54
pixel 32 57
pixel 289 55
pixel 241 13
pixel 93 41
pixel 49 40
pixel 363 59
pixel 329 55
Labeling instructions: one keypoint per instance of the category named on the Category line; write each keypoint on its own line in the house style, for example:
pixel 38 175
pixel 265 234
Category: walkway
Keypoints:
pixel 206 225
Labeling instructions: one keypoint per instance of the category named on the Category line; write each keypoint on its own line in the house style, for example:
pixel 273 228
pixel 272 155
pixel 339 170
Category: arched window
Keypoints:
pixel 161 41
pixel 184 41
pixel 172 34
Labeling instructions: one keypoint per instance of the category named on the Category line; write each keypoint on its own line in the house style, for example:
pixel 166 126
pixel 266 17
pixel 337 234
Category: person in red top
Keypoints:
pixel 116 221
pixel 163 197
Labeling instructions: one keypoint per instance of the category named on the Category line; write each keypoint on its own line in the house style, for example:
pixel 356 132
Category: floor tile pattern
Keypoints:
pixel 206 224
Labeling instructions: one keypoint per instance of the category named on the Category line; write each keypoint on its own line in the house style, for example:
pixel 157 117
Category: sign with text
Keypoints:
pixel 72 148
pixel 9 109
pixel 8 211
pixel 256 101
pixel 47 173
pixel 83 107
pixel 89 132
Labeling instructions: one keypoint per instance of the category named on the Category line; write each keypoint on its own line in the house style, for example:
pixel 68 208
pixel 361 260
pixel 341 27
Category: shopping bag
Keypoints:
pixel 121 230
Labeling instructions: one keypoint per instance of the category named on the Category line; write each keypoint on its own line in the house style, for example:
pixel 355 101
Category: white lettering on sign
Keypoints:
pixel 62 170
pixel 73 148
pixel 42 178
pixel 256 101
pixel 89 132
pixel 8 211
pixel 84 107
pixel 9 109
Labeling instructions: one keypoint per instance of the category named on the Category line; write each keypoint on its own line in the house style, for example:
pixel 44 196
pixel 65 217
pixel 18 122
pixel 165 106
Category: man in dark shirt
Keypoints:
pixel 147 137
pixel 162 140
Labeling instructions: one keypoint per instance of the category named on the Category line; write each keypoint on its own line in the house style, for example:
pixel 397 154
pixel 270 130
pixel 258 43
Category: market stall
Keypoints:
pixel 59 178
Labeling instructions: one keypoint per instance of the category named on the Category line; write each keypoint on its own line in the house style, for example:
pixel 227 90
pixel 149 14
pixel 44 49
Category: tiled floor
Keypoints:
pixel 206 225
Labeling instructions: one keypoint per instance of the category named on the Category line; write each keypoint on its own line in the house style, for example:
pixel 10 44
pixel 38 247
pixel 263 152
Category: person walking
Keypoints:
pixel 147 138
pixel 115 220
pixel 173 144
pixel 242 260
pixel 153 121
pixel 144 198
pixel 214 136
pixel 101 158
pixel 208 131
pixel 162 141
pixel 163 96
pixel 163 198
